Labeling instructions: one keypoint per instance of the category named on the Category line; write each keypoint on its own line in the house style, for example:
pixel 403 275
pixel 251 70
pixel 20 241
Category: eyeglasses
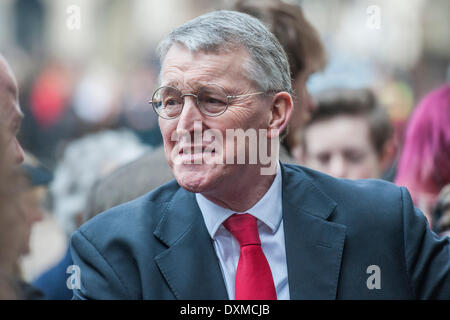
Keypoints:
pixel 212 100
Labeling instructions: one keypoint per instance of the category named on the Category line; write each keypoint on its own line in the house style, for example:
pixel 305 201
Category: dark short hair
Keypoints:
pixel 298 37
pixel 354 102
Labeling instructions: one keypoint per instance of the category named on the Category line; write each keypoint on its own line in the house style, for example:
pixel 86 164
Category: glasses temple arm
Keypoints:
pixel 245 95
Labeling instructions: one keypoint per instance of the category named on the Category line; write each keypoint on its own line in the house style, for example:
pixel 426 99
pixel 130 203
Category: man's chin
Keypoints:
pixel 193 178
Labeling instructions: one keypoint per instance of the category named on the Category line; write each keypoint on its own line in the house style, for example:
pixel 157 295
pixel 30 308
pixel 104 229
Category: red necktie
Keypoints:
pixel 253 276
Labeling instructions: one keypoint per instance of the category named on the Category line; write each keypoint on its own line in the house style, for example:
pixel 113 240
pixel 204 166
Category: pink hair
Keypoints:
pixel 424 165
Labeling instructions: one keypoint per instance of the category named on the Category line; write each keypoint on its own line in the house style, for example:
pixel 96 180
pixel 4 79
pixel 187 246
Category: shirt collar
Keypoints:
pixel 268 209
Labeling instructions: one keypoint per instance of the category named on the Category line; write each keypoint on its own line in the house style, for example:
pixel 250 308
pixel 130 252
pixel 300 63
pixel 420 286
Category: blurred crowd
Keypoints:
pixel 89 140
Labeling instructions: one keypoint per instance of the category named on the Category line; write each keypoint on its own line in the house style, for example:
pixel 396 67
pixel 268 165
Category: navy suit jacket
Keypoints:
pixel 158 247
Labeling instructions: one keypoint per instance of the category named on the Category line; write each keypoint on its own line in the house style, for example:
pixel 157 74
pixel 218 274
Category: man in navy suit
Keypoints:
pixel 225 99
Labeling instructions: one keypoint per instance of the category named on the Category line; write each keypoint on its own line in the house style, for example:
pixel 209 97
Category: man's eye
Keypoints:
pixel 212 100
pixel 171 102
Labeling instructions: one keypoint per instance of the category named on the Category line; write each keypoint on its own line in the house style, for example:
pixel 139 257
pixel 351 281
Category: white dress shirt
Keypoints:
pixel 268 211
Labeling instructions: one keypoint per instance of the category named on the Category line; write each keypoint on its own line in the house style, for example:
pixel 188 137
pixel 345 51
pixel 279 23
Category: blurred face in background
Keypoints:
pixel 341 147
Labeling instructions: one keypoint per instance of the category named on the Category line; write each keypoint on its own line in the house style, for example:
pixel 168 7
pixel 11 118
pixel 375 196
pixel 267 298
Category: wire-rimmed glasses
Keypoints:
pixel 212 100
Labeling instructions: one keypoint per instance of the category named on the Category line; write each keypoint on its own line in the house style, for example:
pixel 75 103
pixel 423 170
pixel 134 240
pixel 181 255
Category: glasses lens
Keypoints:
pixel 212 100
pixel 167 102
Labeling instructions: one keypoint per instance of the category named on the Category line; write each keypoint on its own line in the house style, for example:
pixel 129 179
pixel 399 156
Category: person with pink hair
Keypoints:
pixel 424 165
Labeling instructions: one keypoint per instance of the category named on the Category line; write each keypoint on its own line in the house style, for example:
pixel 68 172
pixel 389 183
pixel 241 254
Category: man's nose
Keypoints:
pixel 189 115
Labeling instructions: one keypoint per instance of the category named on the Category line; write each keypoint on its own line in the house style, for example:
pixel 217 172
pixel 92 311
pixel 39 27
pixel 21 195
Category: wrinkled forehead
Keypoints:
pixel 204 65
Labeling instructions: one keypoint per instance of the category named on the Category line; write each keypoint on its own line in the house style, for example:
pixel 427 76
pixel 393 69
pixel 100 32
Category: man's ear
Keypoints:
pixel 281 111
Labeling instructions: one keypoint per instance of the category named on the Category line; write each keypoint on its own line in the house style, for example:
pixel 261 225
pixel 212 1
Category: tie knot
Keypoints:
pixel 244 228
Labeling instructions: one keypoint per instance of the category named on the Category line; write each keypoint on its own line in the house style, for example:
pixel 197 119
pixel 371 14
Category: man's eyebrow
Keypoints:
pixel 172 84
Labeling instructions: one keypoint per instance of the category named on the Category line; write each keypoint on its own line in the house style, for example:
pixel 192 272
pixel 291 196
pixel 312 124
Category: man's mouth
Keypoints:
pixel 198 154
pixel 191 150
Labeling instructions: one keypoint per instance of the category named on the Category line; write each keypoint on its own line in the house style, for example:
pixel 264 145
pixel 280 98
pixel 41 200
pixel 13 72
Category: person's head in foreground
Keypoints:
pixel 348 135
pixel 424 165
pixel 11 180
pixel 225 228
pixel 11 115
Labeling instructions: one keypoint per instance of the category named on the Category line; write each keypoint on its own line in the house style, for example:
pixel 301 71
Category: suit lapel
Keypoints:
pixel 313 245
pixel 189 265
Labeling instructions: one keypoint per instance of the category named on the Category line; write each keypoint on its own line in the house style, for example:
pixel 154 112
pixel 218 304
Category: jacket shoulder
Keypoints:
pixel 355 198
pixel 343 188
pixel 145 210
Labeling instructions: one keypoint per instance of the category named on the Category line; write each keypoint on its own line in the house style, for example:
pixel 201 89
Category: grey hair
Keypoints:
pixel 83 162
pixel 225 30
